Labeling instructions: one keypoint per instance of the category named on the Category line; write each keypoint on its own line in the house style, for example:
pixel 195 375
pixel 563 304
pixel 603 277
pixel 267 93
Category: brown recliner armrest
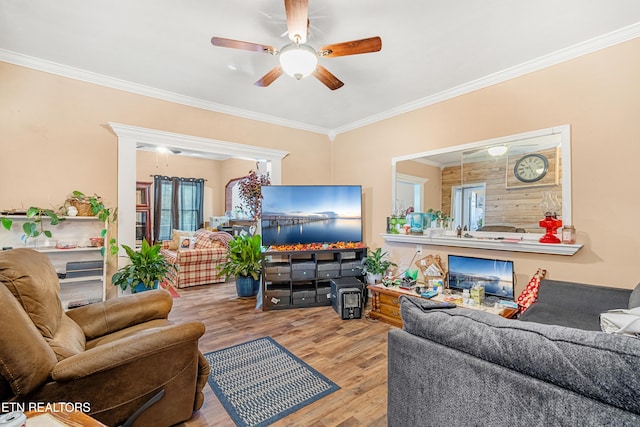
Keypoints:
pixel 126 350
pixel 115 379
pixel 112 315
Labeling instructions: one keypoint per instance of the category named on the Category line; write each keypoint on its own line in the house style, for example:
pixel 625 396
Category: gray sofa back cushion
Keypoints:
pixel 634 299
pixel 595 364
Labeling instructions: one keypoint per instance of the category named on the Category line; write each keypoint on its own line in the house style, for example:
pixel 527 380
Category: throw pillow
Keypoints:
pixel 530 293
pixel 186 242
pixel 621 321
pixel 175 238
pixel 634 299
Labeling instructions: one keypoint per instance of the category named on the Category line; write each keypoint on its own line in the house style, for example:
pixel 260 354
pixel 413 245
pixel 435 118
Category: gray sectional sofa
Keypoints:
pixel 462 367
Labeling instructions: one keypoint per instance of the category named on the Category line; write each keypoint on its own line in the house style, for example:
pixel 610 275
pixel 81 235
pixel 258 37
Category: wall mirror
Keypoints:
pixel 495 185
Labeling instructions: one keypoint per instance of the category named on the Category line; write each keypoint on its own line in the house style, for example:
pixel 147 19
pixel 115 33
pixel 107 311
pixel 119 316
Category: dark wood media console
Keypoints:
pixel 296 279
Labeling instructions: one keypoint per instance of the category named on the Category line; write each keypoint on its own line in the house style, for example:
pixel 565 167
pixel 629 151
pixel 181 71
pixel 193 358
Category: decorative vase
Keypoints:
pixel 372 279
pixel 247 286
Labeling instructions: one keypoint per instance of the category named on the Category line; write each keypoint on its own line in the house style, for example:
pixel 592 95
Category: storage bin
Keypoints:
pixel 351 268
pixel 303 270
pixel 277 297
pixel 277 271
pixel 328 270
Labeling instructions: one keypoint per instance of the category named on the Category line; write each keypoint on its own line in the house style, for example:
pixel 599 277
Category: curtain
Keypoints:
pixel 178 204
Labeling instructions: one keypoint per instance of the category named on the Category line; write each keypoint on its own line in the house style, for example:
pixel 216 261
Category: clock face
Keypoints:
pixel 531 168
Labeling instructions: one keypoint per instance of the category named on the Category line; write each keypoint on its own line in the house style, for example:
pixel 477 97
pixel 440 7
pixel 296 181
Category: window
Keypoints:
pixel 468 206
pixel 178 204
pixel 232 197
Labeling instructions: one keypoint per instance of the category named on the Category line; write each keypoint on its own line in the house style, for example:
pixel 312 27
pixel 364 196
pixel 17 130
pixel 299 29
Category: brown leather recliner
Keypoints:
pixel 112 356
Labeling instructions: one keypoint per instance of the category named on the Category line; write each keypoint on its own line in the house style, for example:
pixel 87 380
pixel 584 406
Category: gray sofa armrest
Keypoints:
pixel 574 305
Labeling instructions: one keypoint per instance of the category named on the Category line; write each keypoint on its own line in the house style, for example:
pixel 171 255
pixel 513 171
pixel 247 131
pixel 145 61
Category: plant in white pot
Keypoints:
pixel 375 265
pixel 244 262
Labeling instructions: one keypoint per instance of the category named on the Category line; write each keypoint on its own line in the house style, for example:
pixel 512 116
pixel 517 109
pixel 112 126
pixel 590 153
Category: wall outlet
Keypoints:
pixel 419 249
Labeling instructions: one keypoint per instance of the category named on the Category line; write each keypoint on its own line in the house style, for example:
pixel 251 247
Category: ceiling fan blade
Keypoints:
pixel 297 19
pixel 270 77
pixel 237 44
pixel 328 79
pixel 372 44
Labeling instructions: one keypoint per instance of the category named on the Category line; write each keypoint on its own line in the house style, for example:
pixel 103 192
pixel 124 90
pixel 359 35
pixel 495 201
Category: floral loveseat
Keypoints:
pixel 198 264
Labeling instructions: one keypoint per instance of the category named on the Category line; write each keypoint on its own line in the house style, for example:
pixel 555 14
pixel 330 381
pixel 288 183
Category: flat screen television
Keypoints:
pixel 497 276
pixel 310 214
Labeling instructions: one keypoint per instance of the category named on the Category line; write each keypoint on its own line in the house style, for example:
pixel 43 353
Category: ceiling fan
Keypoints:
pixel 298 59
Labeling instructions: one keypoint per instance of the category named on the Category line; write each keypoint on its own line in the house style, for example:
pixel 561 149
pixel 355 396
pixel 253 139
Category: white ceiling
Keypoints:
pixel 431 49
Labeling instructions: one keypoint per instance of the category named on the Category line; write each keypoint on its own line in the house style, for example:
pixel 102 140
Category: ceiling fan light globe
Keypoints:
pixel 298 61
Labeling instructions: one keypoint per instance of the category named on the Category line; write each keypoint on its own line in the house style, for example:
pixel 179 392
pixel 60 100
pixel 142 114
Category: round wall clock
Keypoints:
pixel 531 168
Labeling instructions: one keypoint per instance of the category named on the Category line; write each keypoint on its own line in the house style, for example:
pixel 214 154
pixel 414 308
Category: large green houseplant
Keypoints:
pixel 146 269
pixel 375 265
pixel 244 263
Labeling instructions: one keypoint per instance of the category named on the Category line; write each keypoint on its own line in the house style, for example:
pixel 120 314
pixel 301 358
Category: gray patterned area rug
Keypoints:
pixel 259 382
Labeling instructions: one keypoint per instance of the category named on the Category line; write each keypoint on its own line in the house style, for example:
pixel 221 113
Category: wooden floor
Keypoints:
pixel 351 353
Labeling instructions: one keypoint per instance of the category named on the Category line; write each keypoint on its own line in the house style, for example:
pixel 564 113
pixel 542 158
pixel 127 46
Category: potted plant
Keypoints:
pixel 147 268
pixel 250 192
pixel 244 262
pixel 93 205
pixel 375 265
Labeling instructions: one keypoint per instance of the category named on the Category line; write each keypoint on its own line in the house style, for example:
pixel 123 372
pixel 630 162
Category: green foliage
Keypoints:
pixel 104 214
pixel 243 257
pixel 147 266
pixel 35 227
pixel 6 222
pixel 375 262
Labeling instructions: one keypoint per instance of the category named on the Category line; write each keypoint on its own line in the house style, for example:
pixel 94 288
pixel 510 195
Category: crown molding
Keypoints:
pixel 155 137
pixel 114 83
pixel 557 57
pixel 589 46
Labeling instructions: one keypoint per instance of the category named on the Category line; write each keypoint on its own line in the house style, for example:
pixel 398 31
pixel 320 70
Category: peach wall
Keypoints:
pixel 149 164
pixel 233 169
pixel 55 137
pixel 432 197
pixel 596 94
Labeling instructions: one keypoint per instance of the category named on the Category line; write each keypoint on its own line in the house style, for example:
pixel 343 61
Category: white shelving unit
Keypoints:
pixel 72 231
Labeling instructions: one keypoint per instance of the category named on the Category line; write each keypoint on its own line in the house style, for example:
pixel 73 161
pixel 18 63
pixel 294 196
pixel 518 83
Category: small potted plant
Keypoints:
pixel 250 192
pixel 376 265
pixel 93 205
pixel 244 263
pixel 147 268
